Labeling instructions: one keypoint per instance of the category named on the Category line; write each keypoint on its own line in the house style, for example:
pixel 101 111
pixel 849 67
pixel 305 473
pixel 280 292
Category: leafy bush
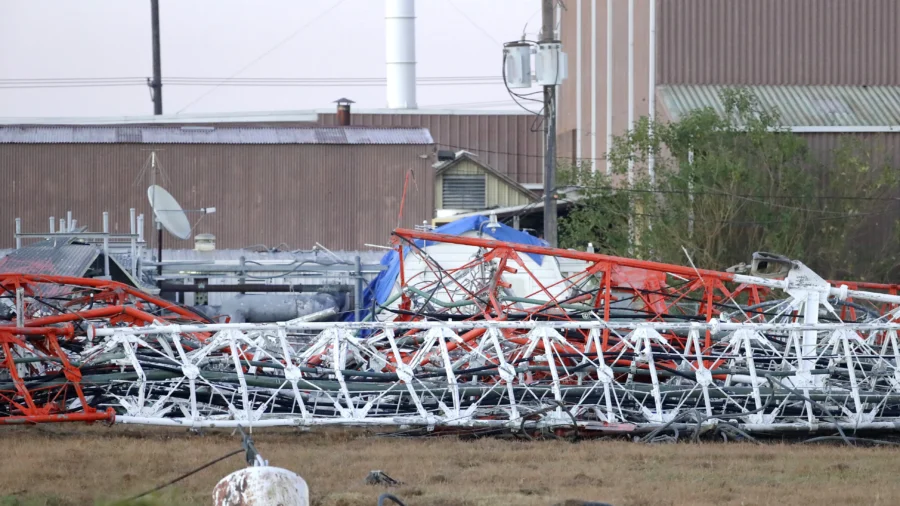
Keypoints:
pixel 729 184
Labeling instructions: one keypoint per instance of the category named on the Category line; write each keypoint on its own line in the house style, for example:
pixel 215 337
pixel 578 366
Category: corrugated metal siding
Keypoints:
pixel 802 42
pixel 799 105
pixel 565 95
pixel 212 135
pixel 506 142
pixel 724 42
pixel 593 141
pixel 340 196
pixel 565 148
pixel 876 237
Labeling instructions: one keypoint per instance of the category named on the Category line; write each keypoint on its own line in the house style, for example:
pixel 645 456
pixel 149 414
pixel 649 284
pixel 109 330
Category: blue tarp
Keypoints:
pixel 380 288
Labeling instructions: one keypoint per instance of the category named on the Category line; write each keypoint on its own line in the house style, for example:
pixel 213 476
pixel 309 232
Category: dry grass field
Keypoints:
pixel 67 465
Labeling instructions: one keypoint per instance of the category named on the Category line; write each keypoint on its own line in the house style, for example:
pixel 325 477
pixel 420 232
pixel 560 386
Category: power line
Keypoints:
pixel 473 23
pixel 541 156
pixel 264 54
pixel 39 80
pixel 212 78
pixel 469 105
pixel 83 85
pixel 737 195
pixel 245 82
pixel 336 84
pixel 700 192
pixel 537 204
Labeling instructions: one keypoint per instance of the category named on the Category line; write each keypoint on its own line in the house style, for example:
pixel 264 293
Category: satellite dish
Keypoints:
pixel 168 212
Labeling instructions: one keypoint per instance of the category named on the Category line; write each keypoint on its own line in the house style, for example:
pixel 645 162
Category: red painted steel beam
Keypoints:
pixel 99 416
pixel 99 283
pixel 564 253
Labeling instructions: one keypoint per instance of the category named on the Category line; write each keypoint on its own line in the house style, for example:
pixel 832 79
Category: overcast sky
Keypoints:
pixel 217 38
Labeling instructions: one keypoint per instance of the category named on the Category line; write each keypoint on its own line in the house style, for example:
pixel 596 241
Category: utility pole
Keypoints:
pixel 156 83
pixel 548 27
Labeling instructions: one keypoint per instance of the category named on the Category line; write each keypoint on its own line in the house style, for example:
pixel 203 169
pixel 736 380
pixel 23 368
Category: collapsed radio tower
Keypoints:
pixel 621 346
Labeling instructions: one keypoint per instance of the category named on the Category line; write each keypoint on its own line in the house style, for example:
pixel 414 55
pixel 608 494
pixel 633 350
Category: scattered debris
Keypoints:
pixel 380 478
pixel 615 347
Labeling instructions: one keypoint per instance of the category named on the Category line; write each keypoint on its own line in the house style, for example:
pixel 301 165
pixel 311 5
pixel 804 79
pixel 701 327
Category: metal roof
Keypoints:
pixel 300 116
pixel 68 260
pixel 211 135
pixel 800 106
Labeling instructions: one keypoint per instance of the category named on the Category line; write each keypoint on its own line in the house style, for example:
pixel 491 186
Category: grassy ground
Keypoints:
pixel 67 465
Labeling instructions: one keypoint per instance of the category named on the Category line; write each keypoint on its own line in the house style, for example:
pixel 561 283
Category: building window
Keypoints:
pixel 464 192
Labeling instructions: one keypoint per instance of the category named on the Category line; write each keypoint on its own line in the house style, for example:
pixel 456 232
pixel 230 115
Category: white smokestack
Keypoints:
pixel 400 34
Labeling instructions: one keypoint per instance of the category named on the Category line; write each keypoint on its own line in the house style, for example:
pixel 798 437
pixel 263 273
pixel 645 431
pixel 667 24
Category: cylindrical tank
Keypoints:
pixel 261 486
pixel 265 308
pixel 204 242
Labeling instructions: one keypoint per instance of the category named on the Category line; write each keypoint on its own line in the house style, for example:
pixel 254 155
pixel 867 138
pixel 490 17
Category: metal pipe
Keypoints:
pixel 156 83
pixel 651 92
pixel 159 238
pixel 140 243
pixel 594 157
pixel 230 267
pixel 357 292
pixel 609 82
pixel 242 270
pixel 579 133
pixel 20 307
pixel 69 226
pixel 18 231
pixel 62 225
pixel 400 39
pixel 52 225
pixel 249 287
pixel 132 215
pixel 632 229
pixel 630 85
pixel 106 243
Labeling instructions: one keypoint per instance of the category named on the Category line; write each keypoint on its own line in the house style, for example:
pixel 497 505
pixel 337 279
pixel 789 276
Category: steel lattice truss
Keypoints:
pixel 623 346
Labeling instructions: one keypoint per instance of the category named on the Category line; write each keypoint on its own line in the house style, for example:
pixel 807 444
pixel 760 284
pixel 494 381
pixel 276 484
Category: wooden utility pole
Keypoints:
pixel 548 27
pixel 156 83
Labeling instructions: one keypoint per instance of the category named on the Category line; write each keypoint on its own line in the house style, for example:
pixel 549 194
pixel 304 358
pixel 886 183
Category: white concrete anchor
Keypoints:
pixel 261 486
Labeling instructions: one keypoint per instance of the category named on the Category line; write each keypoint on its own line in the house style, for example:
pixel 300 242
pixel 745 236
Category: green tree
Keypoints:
pixel 728 184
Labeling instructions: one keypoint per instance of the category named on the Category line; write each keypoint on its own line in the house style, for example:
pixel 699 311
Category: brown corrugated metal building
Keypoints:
pixel 339 186
pixel 508 141
pixel 809 43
